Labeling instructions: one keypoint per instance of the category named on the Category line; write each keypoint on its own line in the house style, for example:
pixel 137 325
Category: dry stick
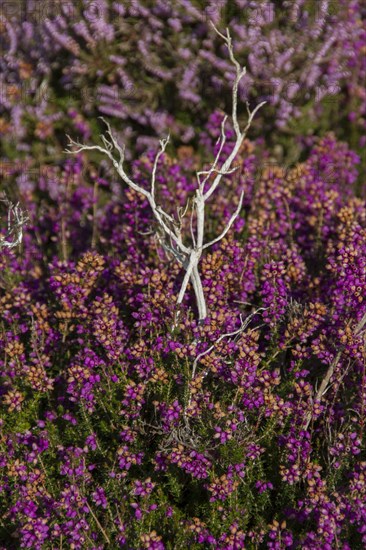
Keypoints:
pixel 63 227
pixel 63 239
pixel 99 525
pixel 360 325
pixel 243 326
pixel 188 256
pixel 323 386
pixel 16 221
pixel 95 199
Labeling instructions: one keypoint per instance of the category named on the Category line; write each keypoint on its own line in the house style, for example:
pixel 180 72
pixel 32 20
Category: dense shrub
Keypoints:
pixel 119 431
pixel 123 425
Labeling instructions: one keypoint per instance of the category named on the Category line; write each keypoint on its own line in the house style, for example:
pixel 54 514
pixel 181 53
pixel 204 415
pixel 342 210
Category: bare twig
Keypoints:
pixel 243 325
pixel 323 386
pixel 99 524
pixel 16 221
pixel 360 325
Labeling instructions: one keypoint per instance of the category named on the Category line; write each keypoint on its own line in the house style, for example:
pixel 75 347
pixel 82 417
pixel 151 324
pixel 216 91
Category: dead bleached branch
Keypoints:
pixel 188 255
pixel 16 221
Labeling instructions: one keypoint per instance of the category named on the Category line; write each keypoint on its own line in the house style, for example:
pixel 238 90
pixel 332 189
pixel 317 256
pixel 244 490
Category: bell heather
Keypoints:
pixel 122 426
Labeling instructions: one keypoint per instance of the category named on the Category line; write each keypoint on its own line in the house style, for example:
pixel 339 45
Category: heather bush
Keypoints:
pixel 243 432
pixel 122 423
